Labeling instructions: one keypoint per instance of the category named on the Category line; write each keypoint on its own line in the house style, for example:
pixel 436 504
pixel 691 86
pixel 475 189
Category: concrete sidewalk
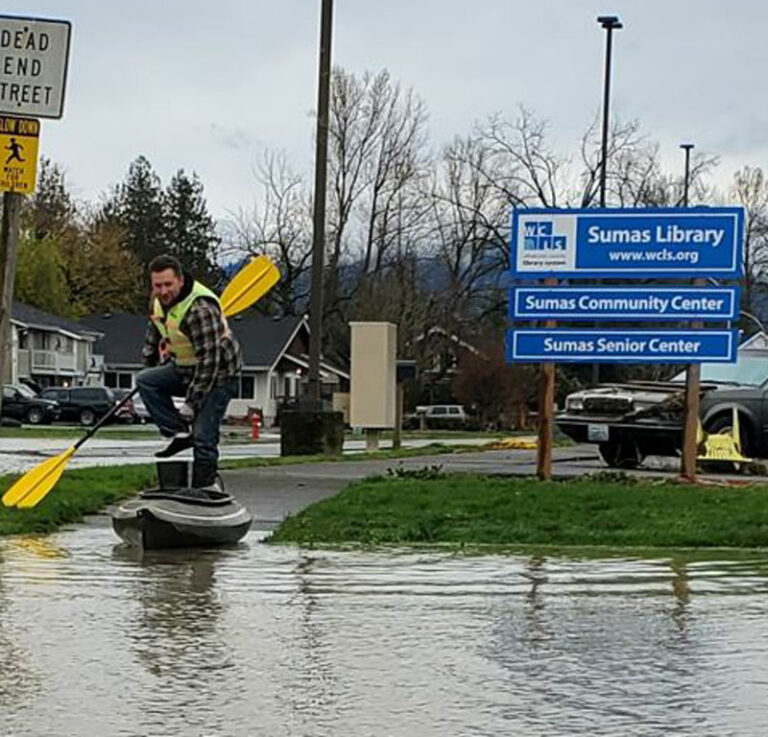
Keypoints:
pixel 21 454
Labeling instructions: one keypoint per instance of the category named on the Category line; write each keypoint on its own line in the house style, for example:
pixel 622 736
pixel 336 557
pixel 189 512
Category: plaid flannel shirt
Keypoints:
pixel 218 358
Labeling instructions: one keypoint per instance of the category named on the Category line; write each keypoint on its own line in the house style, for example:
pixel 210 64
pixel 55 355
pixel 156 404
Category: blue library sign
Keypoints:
pixel 629 243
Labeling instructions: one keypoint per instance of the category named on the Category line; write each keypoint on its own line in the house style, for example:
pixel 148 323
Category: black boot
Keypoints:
pixel 179 442
pixel 204 474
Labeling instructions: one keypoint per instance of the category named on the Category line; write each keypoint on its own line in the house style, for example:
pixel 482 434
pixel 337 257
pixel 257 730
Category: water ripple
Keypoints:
pixel 96 638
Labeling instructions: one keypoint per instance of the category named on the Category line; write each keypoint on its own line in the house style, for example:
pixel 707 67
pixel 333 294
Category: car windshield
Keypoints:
pixel 26 391
pixel 751 370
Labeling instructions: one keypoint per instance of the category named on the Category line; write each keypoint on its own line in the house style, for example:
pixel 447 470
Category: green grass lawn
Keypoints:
pixel 78 492
pixel 67 432
pixel 466 510
pixel 89 490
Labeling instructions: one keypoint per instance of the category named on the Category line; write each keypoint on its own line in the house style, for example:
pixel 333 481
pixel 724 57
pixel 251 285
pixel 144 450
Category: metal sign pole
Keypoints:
pixel 9 239
pixel 693 373
pixel 546 410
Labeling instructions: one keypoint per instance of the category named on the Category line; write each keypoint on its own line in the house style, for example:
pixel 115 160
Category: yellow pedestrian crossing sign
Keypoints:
pixel 18 154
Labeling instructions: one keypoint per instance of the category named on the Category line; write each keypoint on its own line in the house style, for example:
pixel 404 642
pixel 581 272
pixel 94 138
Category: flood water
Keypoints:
pixel 261 640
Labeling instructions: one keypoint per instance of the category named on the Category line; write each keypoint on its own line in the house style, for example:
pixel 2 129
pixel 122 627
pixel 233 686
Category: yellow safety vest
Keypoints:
pixel 169 324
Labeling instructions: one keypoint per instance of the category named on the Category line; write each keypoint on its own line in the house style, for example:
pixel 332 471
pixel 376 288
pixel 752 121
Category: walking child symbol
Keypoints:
pixel 15 148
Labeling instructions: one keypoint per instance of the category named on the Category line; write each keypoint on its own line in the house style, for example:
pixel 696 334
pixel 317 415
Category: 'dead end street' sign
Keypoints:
pixel 34 53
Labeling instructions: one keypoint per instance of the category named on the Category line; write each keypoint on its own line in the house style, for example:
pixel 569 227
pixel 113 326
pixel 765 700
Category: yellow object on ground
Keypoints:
pixel 722 447
pixel 522 442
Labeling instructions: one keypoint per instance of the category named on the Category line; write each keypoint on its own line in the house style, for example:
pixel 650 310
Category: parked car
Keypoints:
pixel 83 404
pixel 633 420
pixel 438 416
pixel 127 413
pixel 141 411
pixel 21 403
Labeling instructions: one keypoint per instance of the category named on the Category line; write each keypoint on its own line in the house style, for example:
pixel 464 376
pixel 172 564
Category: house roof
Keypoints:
pixel 32 317
pixel 262 339
pixel 757 342
pixel 122 337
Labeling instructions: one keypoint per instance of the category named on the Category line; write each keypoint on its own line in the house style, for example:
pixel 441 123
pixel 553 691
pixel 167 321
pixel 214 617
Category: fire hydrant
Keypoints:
pixel 255 426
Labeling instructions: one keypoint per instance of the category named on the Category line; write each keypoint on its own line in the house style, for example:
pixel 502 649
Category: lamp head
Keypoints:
pixel 609 21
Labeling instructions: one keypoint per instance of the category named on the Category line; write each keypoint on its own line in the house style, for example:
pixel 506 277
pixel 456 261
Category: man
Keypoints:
pixel 190 352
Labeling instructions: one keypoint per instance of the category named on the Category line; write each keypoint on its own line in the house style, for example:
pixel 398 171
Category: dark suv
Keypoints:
pixel 83 404
pixel 21 403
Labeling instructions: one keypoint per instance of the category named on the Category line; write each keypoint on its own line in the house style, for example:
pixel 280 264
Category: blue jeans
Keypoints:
pixel 157 386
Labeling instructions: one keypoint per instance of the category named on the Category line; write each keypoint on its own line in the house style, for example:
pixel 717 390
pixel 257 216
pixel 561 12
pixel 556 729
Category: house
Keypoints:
pixel 47 349
pixel 275 359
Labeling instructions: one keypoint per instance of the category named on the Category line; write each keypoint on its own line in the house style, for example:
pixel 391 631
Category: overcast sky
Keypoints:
pixel 207 86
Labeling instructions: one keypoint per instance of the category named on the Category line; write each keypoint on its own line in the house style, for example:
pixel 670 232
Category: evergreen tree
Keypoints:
pixel 137 206
pixel 51 209
pixel 190 231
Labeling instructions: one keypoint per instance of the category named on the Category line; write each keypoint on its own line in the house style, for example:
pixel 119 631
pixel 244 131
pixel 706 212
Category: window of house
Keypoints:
pixel 273 387
pixel 287 387
pixel 246 387
pixel 118 379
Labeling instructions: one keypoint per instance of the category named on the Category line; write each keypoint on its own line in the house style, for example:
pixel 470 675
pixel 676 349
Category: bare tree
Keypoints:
pixel 279 226
pixel 519 161
pixel 468 243
pixel 750 190
pixel 377 140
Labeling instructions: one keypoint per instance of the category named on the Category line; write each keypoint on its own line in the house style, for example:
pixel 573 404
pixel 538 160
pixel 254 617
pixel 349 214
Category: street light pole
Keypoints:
pixel 693 372
pixel 686 181
pixel 610 23
pixel 318 227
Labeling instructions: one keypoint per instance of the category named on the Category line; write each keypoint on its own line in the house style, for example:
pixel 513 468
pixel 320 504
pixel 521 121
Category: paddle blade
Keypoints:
pixel 251 283
pixel 32 487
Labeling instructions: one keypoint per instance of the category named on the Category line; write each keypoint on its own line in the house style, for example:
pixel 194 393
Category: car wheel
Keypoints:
pixel 35 416
pixel 724 424
pixel 87 417
pixel 621 453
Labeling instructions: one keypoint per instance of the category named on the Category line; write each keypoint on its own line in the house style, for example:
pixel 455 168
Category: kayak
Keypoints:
pixel 181 518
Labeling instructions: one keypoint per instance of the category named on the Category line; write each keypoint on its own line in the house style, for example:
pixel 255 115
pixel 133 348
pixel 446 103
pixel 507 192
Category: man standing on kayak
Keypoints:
pixel 189 352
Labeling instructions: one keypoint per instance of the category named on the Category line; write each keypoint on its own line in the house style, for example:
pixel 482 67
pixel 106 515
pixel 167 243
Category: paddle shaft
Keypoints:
pixel 107 417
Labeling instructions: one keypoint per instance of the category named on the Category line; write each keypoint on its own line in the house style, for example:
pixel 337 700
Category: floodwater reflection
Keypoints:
pixel 101 639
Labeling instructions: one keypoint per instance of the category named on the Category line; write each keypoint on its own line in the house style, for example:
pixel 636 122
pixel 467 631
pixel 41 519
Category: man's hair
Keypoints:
pixel 165 261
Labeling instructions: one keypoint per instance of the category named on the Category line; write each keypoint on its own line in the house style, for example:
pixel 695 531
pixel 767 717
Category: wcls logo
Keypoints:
pixel 539 236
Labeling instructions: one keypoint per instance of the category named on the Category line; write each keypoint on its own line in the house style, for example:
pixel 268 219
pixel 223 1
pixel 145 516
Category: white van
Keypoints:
pixel 443 415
